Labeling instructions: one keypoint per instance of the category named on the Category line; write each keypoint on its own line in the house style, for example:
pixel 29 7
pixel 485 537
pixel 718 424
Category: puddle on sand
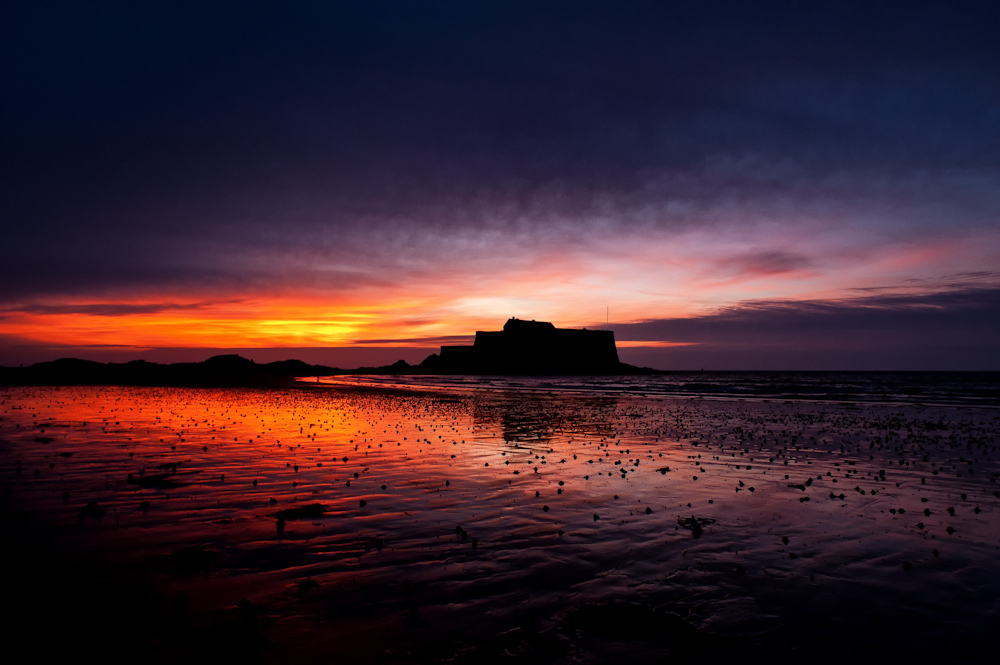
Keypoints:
pixel 380 526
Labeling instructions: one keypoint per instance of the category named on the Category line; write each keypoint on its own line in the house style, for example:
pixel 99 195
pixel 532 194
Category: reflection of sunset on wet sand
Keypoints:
pixel 406 526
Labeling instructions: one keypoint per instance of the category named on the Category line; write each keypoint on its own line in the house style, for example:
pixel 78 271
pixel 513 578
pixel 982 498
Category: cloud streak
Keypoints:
pixel 953 329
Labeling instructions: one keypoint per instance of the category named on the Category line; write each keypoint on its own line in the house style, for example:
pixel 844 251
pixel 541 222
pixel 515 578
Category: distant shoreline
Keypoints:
pixel 226 371
pixel 919 388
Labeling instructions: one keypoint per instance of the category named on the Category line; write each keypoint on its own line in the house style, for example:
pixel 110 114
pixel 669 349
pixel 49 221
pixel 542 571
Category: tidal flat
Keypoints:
pixel 332 523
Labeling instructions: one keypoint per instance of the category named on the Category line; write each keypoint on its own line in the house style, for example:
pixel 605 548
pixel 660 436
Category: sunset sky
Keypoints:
pixel 745 185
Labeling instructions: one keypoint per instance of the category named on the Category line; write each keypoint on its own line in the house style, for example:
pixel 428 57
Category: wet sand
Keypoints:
pixel 361 525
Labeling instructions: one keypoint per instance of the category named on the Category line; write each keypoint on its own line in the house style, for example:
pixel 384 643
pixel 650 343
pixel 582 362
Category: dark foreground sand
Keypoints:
pixel 325 525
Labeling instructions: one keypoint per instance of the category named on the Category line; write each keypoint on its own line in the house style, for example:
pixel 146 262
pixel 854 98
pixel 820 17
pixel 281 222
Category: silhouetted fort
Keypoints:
pixel 531 347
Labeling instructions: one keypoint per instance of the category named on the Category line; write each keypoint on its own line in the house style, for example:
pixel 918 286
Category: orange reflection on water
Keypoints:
pixel 479 503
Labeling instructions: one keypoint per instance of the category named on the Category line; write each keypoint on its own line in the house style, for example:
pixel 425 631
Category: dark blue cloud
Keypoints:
pixel 178 144
pixel 954 329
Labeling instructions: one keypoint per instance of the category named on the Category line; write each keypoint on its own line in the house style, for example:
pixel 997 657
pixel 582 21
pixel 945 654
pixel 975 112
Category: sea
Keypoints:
pixel 914 388
pixel 686 517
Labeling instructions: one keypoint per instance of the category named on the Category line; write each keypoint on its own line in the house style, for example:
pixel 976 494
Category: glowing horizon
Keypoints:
pixel 392 317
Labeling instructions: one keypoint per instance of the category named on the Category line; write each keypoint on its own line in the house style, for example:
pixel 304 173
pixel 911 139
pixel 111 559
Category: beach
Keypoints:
pixel 334 522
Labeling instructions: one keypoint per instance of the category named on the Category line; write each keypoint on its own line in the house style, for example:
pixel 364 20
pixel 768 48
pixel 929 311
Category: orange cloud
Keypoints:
pixel 637 344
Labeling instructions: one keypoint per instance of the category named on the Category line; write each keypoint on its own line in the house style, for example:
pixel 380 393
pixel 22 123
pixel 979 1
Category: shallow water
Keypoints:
pixel 896 388
pixel 488 524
